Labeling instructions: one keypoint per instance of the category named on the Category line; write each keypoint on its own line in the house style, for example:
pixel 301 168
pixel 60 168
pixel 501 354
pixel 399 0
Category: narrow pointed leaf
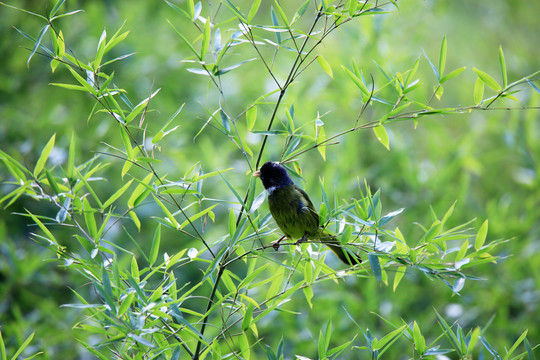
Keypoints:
pixel 442 57
pixel 44 156
pixel 481 236
pixel 502 62
pixel 205 39
pixel 382 136
pixel 325 66
pixel 487 79
pixel 253 10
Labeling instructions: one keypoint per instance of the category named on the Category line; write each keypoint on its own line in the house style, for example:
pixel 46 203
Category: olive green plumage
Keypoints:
pixel 294 212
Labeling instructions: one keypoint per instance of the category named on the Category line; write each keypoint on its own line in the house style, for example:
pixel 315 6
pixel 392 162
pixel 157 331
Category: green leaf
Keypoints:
pixel 325 66
pixel 281 13
pixel 308 293
pixel 357 81
pixel 100 50
pixel 375 266
pixel 44 156
pixel 232 222
pixel 400 271
pixel 197 216
pixel 188 43
pixel 235 10
pixel 22 347
pixel 382 136
pixel 70 86
pixel 275 23
pixel 140 192
pixel 462 251
pixel 71 158
pixel 433 231
pixel 502 62
pixel 481 236
pixel 533 86
pixel 155 245
pixel 61 45
pixel 89 218
pixel 478 91
pixel 248 316
pixel 452 74
pixel 52 182
pixel 140 107
pixel 135 269
pixel 487 79
pixel 442 57
pixel 225 121
pixel 116 39
pixel 55 8
pixel 191 9
pixel 230 68
pixel 324 340
pixel 205 39
pixel 251 117
pixel 89 87
pixel 419 340
pixel 302 9
pixel 126 303
pixel 516 344
pixel 435 71
pixel 379 344
pixel 117 194
pixel 37 43
pixel 253 10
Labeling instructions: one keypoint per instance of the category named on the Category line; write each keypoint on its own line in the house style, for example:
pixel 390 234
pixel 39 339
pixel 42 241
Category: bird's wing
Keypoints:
pixel 307 205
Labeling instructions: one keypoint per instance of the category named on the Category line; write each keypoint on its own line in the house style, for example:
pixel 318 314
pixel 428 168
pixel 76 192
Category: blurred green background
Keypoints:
pixel 487 161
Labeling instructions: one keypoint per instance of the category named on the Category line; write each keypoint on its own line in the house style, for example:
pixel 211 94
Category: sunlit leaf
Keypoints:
pixel 487 79
pixel 325 66
pixel 382 136
pixel 44 156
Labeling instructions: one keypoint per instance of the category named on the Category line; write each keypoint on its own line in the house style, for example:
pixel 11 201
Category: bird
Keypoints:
pixel 294 212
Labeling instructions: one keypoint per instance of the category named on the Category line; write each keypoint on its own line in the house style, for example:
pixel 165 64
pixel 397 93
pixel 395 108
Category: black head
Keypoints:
pixel 273 174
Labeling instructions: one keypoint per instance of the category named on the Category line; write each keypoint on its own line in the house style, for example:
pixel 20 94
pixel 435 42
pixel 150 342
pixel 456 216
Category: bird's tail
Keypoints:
pixel 345 255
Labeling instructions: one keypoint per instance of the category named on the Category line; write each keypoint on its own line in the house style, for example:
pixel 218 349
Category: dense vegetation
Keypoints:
pixel 131 224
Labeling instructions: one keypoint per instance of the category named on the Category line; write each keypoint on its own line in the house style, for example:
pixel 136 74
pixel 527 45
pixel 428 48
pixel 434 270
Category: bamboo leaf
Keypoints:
pixel 253 10
pixel 197 216
pixel 325 66
pixel 382 136
pixel 358 82
pixel 452 74
pixel 481 236
pixel 251 117
pixel 487 79
pixel 155 245
pixel 442 57
pixel 502 62
pixel 248 316
pixel 44 156
pixel 117 194
pixel 188 43
pixel 281 13
pixel 205 39
pixel 100 49
pixel 478 91
pixel 375 266
pixel 140 192
pixel 37 44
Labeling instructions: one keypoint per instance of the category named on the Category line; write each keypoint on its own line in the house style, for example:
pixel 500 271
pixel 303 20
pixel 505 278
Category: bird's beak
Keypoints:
pixel 257 174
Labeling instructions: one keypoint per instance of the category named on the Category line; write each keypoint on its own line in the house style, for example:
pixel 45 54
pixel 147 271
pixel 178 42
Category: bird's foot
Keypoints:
pixel 276 243
pixel 302 240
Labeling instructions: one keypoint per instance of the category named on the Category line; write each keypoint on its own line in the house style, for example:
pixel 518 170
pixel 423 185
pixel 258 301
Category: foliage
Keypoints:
pixel 174 258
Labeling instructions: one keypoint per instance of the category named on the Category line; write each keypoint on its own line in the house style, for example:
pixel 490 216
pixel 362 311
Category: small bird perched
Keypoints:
pixel 294 212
